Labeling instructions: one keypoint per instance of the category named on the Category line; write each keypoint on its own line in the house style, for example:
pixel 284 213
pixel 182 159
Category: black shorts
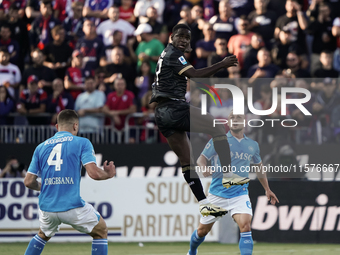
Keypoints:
pixel 172 116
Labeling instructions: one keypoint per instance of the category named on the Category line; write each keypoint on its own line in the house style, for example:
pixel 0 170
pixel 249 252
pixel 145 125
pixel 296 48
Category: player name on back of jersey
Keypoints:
pixel 58 180
pixel 59 140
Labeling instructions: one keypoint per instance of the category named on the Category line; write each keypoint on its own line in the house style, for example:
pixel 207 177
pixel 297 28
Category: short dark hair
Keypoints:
pixel 5 25
pixel 4 49
pixel 179 26
pixel 90 77
pixel 67 117
pixel 327 52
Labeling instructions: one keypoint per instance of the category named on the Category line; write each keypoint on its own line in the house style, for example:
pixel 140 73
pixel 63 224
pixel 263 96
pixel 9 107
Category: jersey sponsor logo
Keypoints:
pixel 58 180
pixel 244 156
pixel 182 60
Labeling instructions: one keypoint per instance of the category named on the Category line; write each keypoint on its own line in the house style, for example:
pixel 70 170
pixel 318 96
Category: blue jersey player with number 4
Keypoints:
pixel 234 199
pixel 58 162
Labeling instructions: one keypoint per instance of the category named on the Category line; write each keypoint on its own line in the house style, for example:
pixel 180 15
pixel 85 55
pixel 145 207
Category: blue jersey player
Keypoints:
pixel 234 199
pixel 58 162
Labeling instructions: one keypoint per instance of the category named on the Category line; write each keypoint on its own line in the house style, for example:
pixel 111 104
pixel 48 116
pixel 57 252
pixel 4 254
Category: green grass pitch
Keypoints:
pixel 176 249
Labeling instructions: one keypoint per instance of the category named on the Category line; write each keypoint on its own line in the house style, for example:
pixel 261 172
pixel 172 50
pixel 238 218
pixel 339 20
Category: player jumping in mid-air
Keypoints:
pixel 173 118
pixel 235 199
pixel 58 161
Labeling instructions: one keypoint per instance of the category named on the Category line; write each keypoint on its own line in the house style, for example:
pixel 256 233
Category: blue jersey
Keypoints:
pixel 242 153
pixel 58 162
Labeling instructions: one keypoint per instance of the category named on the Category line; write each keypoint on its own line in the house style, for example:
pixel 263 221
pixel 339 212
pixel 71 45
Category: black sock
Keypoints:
pixel 194 182
pixel 222 148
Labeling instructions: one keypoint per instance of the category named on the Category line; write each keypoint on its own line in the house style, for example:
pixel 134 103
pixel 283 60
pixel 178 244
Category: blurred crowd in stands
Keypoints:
pixel 99 57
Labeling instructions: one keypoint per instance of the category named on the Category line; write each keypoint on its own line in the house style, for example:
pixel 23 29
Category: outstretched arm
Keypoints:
pixel 208 71
pixel 262 176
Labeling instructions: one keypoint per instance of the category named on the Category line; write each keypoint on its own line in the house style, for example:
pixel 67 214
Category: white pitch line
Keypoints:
pixel 258 251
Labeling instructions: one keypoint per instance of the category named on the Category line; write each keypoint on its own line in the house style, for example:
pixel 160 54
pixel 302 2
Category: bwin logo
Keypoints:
pixel 296 217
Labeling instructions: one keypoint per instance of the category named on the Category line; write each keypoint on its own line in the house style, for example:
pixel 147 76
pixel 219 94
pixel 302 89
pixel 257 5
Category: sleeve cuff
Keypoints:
pixel 184 69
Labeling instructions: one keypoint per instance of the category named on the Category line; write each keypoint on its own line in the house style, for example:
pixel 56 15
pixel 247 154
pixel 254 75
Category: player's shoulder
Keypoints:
pixel 252 143
pixel 170 51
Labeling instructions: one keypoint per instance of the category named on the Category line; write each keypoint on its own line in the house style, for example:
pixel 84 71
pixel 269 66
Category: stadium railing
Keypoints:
pixel 146 133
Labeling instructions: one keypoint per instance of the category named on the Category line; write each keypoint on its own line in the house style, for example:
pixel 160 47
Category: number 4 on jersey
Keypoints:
pixel 57 153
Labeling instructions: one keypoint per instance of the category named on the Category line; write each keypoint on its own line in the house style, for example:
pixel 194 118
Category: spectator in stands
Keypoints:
pixel 264 69
pixel 159 30
pixel 58 53
pixel 205 47
pixel 142 5
pixel 75 75
pixel 19 33
pixel 107 27
pixel 45 75
pixel 32 10
pixel 88 104
pixel 321 29
pixel 99 79
pixel 117 36
pixel 221 52
pixel 196 33
pixel 13 169
pixel 5 5
pixel 295 21
pixel 262 21
pixel 73 24
pixel 144 81
pixel 326 99
pixel 336 33
pixel 10 74
pixel 239 43
pixel 59 100
pixel 96 10
pixel 119 69
pixel 40 33
pixel 33 101
pixel 119 104
pixel 64 8
pixel 91 46
pixel 294 69
pixel 197 15
pixel 326 70
pixel 250 55
pixel 242 7
pixel 148 49
pixel 172 12
pixel 12 45
pixel 285 45
pixel 7 105
pixel 224 23
pixel 126 11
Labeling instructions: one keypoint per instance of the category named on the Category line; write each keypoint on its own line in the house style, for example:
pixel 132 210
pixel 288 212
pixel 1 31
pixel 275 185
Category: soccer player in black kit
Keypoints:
pixel 173 113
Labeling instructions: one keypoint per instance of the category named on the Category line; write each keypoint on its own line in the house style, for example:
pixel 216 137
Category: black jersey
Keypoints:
pixel 170 81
